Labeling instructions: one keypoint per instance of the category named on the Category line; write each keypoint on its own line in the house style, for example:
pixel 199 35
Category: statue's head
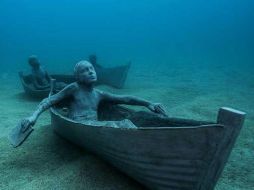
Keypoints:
pixel 85 73
pixel 93 59
pixel 33 61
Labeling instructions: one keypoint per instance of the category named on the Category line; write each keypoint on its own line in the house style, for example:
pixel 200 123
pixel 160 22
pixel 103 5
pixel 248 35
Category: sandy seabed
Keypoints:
pixel 46 161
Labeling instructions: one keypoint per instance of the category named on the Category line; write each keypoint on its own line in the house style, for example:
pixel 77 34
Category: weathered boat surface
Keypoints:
pixel 162 153
pixel 114 77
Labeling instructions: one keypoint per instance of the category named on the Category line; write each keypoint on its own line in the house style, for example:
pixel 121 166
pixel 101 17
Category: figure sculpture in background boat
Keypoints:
pixel 40 77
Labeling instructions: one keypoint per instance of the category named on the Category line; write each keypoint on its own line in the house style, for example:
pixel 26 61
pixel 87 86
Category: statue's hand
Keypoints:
pixel 157 108
pixel 28 122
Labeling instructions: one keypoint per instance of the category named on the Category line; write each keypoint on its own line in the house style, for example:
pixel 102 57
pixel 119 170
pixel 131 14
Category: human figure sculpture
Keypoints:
pixel 85 99
pixel 41 78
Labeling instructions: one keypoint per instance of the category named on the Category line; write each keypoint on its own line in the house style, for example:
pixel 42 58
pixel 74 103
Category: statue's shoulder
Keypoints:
pixel 72 87
pixel 99 92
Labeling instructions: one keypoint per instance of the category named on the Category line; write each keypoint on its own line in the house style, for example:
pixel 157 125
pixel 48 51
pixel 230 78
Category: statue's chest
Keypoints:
pixel 39 74
pixel 86 100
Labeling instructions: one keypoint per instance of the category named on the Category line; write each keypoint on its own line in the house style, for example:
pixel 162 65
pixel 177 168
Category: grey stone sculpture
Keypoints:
pixel 84 101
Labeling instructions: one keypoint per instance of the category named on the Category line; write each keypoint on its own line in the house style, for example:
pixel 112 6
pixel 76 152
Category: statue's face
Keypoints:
pixel 86 73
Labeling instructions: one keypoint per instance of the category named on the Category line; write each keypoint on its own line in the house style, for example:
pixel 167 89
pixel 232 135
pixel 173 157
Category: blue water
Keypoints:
pixel 150 33
pixel 194 56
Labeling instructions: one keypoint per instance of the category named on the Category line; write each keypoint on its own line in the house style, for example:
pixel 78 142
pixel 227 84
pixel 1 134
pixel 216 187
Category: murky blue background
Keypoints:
pixel 150 33
pixel 194 56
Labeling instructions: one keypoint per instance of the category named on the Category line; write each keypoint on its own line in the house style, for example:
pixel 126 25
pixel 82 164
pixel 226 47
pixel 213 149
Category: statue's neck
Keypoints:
pixel 87 87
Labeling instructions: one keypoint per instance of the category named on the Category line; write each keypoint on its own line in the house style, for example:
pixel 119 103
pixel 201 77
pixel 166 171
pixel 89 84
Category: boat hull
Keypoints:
pixel 186 156
pixel 114 76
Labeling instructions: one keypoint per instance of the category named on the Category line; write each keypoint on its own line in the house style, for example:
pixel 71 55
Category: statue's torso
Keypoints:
pixel 40 76
pixel 84 105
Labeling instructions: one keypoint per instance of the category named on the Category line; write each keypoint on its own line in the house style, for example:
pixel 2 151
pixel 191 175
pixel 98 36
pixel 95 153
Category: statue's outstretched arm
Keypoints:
pixel 132 100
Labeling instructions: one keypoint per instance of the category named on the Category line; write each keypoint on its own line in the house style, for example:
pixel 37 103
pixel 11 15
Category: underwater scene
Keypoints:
pixel 119 95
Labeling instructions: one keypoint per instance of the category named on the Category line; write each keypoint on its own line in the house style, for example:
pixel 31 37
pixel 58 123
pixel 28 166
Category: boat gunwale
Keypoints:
pixel 55 112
